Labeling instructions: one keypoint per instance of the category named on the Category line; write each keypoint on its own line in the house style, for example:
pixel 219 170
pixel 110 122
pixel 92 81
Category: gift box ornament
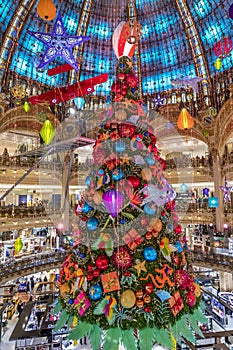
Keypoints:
pixel 176 303
pixel 82 303
pixel 110 282
pixel 132 239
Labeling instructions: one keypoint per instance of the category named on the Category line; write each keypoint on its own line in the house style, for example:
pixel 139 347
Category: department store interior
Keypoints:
pixel 182 60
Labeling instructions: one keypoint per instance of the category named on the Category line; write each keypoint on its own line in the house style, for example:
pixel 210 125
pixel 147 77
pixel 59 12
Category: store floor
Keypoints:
pixel 5 343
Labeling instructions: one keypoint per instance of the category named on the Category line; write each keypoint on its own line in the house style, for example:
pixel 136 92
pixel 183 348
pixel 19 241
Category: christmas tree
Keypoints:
pixel 128 279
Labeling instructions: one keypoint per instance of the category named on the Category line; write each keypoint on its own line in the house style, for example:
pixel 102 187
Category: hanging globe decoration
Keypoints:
pixel 47 132
pixel 26 107
pixel 46 10
pixel 185 121
pixel 18 245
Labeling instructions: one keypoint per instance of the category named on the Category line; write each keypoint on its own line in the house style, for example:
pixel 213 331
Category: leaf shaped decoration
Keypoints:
pixel 95 245
pixel 112 338
pixel 146 338
pixel 129 340
pixel 178 327
pixel 70 321
pixel 198 314
pixel 188 334
pixel 64 316
pixel 56 309
pixel 81 330
pixel 109 247
pixel 163 337
pixel 99 308
pixel 127 215
pixel 95 337
pixel 193 323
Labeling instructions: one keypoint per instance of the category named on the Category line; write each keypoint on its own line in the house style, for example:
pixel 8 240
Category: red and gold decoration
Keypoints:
pixel 110 282
pixel 176 303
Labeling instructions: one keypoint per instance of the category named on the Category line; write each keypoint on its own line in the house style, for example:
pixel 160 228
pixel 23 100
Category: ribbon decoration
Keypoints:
pixel 108 309
pixel 159 282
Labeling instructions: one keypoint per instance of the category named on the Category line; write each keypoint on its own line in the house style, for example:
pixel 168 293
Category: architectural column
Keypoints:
pixel 65 193
pixel 217 192
pixel 226 281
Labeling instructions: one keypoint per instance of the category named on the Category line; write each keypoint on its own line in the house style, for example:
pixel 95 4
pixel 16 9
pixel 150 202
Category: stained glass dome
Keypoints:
pixel 177 41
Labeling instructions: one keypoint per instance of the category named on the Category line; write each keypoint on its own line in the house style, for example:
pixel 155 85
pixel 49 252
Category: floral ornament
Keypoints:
pixel 132 80
pixel 122 258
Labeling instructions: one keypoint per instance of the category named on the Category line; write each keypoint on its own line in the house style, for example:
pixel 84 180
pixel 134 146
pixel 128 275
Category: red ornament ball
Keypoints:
pixel 190 299
pixel 90 277
pixel 102 262
pixel 178 229
pixel 90 267
pixel 96 273
pixel 148 287
pixel 134 181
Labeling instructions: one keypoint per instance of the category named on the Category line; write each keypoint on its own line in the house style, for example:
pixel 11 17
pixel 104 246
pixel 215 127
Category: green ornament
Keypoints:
pixel 42 116
pixel 205 133
pixel 18 245
pixel 26 107
pixel 47 132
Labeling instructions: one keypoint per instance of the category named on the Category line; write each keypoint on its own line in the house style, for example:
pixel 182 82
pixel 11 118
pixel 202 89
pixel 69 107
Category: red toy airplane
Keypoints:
pixel 69 92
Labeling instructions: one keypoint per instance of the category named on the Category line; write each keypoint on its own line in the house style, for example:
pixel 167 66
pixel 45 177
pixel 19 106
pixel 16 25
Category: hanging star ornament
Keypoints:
pixel 59 44
pixel 227 192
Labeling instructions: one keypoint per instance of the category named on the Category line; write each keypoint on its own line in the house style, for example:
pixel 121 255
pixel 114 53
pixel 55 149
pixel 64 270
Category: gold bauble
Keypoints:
pixel 97 198
pixel 64 289
pixel 121 114
pixel 128 299
pixel 146 174
pixel 197 291
pixel 139 303
pixel 156 224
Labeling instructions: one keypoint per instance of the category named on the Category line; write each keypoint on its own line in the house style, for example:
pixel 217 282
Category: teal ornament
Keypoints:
pixel 150 160
pixel 71 242
pixel 150 208
pixel 179 247
pixel 92 224
pixel 88 181
pixel 86 208
pixel 120 146
pixel 95 292
pixel 79 102
pixel 183 187
pixel 149 253
pixel 117 174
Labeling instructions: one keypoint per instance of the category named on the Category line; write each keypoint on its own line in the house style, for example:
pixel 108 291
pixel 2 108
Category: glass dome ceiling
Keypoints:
pixel 178 39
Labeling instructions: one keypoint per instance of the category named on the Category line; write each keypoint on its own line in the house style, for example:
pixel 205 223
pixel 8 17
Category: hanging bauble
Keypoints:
pixel 71 242
pixel 143 221
pixel 26 106
pixel 178 229
pixel 95 292
pixel 46 10
pixel 120 146
pixel 139 294
pixel 149 287
pixel 150 208
pixel 47 132
pixel 79 102
pixel 150 160
pixel 18 245
pixel 134 181
pixel 102 262
pixel 179 247
pixel 223 47
pixel 149 253
pixel 86 208
pixel 117 174
pixel 126 130
pixel 185 121
pixel 231 11
pixel 88 180
pixel 97 198
pixel 92 224
pixel 113 201
pixel 218 64
pixel 128 299
pixel 190 299
pixel 139 303
pixel 147 299
pixel 122 258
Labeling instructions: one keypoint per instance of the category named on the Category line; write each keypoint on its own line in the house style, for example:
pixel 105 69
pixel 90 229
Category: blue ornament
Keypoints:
pixel 170 226
pixel 150 208
pixel 100 172
pixel 122 221
pixel 117 174
pixel 149 253
pixel 108 101
pixel 146 133
pixel 95 291
pixel 92 224
pixel 122 65
pixel 179 247
pixel 58 44
pixel 71 242
pixel 82 255
pixel 150 160
pixel 88 181
pixel 79 102
pixel 86 208
pixel 133 90
pixel 71 301
pixel 120 146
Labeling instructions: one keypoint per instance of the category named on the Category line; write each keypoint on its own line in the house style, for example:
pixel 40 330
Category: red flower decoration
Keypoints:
pixel 116 87
pixel 132 80
pixel 122 258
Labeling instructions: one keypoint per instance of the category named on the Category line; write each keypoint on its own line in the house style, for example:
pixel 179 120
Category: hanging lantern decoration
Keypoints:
pixel 18 245
pixel 185 121
pixel 46 10
pixel 213 202
pixel 223 47
pixel 26 107
pixel 47 132
pixel 218 64
pixel 206 192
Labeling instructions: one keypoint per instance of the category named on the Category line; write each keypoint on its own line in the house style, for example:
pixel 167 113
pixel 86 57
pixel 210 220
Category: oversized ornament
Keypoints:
pixel 128 299
pixel 86 208
pixel 122 258
pixel 102 262
pixel 150 208
pixel 47 132
pixel 185 121
pixel 113 201
pixel 134 181
pixel 58 44
pixel 149 253
pixel 92 224
pixel 18 245
pixel 46 10
pixel 95 292
pixel 218 64
pixel 26 106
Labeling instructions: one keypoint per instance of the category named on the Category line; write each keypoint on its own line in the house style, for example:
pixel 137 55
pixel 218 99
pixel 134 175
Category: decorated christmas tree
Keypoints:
pixel 128 280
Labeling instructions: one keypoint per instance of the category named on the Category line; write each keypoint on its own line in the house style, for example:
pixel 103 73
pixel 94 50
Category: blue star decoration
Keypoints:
pixel 59 44
pixel 227 192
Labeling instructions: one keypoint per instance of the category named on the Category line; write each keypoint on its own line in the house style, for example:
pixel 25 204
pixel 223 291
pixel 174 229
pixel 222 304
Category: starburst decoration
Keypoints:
pixel 59 44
